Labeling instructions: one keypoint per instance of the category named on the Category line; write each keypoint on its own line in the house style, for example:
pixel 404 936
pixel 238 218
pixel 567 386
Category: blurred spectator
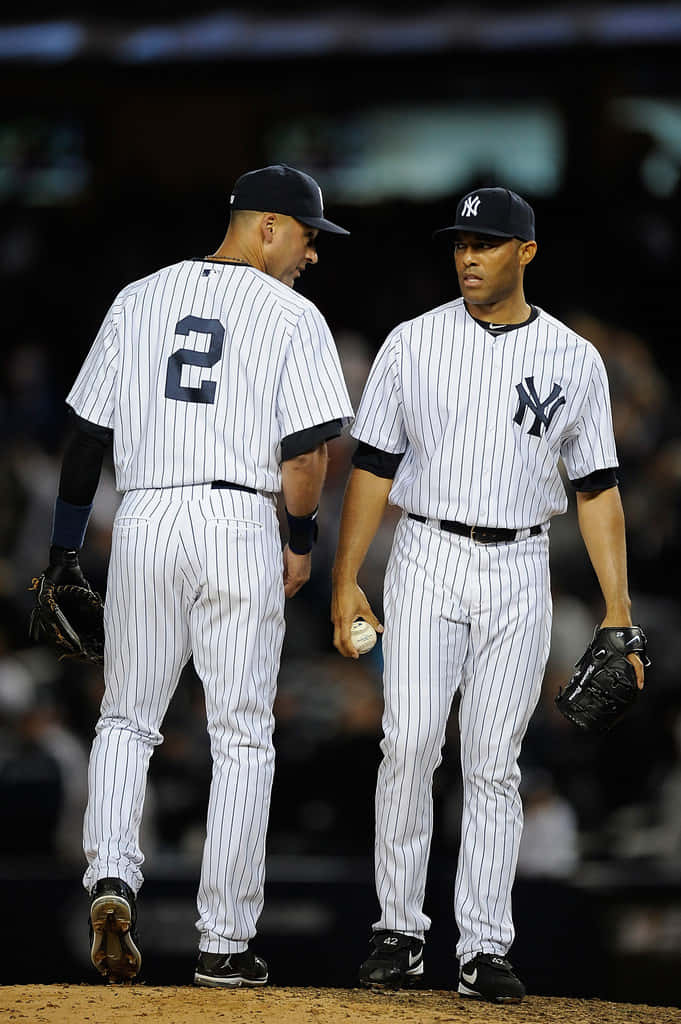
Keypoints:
pixel 549 847
pixel 328 714
pixel 651 829
pixel 43 765
pixel 31 409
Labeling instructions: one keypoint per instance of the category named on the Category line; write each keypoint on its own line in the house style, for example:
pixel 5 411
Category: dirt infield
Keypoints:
pixel 75 1004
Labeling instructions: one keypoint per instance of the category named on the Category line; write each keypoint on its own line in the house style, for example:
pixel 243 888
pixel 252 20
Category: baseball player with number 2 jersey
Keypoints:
pixel 220 387
pixel 464 417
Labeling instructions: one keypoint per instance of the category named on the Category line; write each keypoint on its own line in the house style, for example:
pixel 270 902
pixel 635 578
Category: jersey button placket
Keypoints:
pixel 495 357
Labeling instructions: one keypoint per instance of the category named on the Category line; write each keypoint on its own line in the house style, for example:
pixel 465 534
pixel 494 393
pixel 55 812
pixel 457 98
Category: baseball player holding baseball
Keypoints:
pixel 219 387
pixel 464 417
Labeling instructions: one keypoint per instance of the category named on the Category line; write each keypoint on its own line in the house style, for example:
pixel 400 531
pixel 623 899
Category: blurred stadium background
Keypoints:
pixel 120 134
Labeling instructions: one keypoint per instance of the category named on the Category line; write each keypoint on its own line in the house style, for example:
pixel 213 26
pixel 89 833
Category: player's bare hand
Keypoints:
pixel 638 669
pixel 297 569
pixel 349 602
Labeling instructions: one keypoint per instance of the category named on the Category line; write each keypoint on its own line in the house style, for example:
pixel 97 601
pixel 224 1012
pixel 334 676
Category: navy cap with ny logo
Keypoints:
pixel 494 211
pixel 283 189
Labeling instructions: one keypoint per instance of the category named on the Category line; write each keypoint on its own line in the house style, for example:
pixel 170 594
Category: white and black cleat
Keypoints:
pixel 488 976
pixel 395 961
pixel 113 950
pixel 230 970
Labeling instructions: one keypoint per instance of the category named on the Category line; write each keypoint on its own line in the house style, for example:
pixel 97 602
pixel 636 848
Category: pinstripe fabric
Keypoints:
pixel 459 615
pixel 277 372
pixel 443 390
pixel 200 571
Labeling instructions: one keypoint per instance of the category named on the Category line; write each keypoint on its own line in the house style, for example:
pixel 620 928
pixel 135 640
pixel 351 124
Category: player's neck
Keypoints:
pixel 509 311
pixel 236 248
pixel 237 256
pixel 228 259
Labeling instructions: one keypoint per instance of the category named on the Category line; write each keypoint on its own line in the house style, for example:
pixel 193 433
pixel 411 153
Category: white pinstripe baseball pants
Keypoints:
pixel 478 618
pixel 193 571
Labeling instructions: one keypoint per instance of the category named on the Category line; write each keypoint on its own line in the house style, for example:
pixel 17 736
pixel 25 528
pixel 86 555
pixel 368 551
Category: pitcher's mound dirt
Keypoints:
pixel 139 1004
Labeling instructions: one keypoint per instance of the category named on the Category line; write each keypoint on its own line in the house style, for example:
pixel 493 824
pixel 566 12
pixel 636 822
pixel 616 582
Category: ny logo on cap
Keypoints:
pixel 470 206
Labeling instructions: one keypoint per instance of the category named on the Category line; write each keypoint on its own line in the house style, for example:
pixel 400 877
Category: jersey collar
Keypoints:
pixel 497 329
pixel 228 263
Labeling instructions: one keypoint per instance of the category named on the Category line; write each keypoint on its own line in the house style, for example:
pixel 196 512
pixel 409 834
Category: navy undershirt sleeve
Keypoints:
pixel 599 480
pixel 307 440
pixel 81 468
pixel 376 461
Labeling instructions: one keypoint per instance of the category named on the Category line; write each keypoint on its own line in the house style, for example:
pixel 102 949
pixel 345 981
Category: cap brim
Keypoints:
pixel 473 231
pixel 322 224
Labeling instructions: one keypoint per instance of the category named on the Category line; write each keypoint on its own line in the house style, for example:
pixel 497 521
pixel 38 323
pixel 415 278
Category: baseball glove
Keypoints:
pixel 68 615
pixel 603 685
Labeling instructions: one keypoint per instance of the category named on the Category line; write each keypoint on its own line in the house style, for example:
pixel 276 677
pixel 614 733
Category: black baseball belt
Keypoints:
pixel 480 534
pixel 225 485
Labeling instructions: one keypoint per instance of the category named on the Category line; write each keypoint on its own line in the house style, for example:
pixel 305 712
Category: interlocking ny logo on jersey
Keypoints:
pixel 543 411
pixel 470 206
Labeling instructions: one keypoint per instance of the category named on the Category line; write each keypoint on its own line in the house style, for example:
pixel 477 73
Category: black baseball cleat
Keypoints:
pixel 230 970
pixel 113 937
pixel 488 976
pixel 395 961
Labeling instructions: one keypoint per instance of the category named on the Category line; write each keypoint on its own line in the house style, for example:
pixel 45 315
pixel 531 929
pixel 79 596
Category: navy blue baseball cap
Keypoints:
pixel 494 211
pixel 282 189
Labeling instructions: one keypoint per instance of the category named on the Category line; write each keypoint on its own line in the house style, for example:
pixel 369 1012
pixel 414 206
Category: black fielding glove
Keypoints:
pixel 64 568
pixel 603 686
pixel 68 614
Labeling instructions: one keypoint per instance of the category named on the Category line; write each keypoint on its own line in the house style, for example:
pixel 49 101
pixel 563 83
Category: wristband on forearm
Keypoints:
pixel 69 524
pixel 302 532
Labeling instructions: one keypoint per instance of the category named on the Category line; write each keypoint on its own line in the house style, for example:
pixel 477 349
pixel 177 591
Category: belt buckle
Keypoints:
pixel 484 537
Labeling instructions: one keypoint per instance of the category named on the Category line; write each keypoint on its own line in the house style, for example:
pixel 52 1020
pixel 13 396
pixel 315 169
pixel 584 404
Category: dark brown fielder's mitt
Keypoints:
pixel 69 618
pixel 603 686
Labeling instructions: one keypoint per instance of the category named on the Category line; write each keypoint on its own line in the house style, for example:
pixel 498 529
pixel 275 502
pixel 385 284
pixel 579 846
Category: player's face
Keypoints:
pixel 291 248
pixel 489 269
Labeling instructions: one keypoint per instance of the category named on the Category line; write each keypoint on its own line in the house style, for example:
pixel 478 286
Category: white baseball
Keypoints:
pixel 363 636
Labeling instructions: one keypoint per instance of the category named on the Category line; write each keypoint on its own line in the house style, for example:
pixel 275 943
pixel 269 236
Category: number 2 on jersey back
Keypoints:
pixel 205 393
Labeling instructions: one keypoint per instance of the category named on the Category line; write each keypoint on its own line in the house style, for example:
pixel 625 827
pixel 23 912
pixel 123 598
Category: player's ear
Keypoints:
pixel 527 252
pixel 268 226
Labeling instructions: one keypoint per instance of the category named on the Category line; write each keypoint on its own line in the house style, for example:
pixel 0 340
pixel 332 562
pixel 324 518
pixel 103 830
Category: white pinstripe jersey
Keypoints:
pixel 201 369
pixel 483 419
